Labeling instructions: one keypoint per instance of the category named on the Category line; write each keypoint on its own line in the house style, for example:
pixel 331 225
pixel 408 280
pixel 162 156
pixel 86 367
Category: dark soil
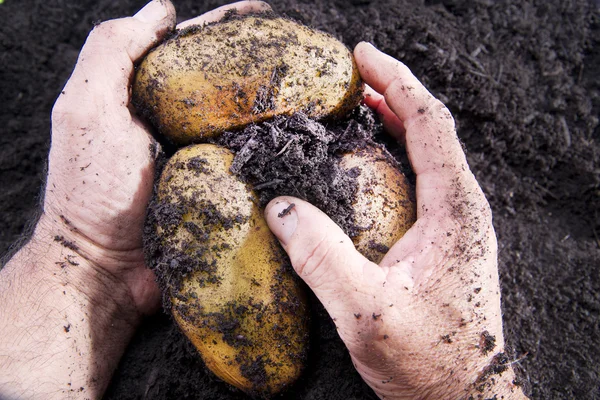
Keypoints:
pixel 297 156
pixel 521 78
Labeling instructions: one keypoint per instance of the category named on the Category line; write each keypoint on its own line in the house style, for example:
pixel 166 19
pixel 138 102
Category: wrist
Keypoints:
pixel 101 249
pixel 497 380
pixel 114 251
pixel 66 322
pixel 71 260
pixel 470 377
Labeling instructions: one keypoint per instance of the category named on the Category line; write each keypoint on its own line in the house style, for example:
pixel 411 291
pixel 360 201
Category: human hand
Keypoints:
pixel 71 298
pixel 425 322
pixel 101 163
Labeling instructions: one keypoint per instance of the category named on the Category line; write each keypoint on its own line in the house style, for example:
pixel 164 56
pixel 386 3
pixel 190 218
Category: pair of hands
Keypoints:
pixel 431 323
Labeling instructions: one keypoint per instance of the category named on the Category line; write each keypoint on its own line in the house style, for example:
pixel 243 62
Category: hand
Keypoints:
pixel 425 322
pixel 72 297
pixel 101 163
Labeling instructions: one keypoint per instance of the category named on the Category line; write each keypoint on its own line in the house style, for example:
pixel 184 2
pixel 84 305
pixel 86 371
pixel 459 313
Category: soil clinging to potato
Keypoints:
pixel 299 157
pixel 223 276
pixel 206 79
pixel 295 156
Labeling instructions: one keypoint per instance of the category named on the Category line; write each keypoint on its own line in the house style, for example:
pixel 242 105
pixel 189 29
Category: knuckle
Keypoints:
pixel 66 114
pixel 476 196
pixel 314 262
pixel 105 28
pixel 119 41
pixel 59 109
pixel 441 110
pixel 63 112
pixel 395 90
pixel 467 202
pixel 110 32
pixel 485 210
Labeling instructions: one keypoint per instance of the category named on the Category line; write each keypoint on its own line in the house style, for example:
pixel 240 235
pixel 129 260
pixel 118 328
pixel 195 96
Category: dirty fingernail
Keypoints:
pixel 152 12
pixel 282 219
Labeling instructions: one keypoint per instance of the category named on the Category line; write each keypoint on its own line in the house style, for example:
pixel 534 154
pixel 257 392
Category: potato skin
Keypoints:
pixel 248 69
pixel 384 204
pixel 240 304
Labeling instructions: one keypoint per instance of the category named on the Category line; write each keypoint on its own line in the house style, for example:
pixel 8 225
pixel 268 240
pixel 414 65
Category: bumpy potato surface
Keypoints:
pixel 239 303
pixel 384 206
pixel 248 69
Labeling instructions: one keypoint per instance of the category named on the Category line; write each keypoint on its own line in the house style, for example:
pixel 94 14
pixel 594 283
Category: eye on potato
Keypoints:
pixel 384 208
pixel 238 301
pixel 226 75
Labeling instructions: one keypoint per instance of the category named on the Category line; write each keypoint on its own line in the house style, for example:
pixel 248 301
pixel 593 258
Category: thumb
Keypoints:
pixel 320 252
pixel 106 62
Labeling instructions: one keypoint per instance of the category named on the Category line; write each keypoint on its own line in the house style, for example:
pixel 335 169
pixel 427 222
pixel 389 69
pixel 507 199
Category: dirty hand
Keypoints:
pixel 101 163
pixel 426 322
pixel 71 298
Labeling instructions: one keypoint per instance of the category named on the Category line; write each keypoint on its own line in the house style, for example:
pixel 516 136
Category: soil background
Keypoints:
pixel 522 80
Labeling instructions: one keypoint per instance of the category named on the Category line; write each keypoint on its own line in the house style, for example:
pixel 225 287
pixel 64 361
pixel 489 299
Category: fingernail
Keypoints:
pixel 152 12
pixel 283 220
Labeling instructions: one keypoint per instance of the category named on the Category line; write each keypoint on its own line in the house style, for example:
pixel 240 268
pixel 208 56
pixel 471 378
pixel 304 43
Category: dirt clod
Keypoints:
pixel 488 342
pixel 287 210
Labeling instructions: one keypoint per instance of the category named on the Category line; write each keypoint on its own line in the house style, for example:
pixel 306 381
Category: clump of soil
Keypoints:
pixel 299 157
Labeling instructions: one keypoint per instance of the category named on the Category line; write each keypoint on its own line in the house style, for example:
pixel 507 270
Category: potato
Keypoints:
pixel 239 304
pixel 226 75
pixel 384 206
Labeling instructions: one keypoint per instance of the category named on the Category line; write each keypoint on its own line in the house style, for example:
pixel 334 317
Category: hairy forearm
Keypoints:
pixel 63 322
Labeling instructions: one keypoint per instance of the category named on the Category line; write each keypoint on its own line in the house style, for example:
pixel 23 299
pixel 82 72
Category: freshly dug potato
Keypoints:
pixel 238 303
pixel 226 75
pixel 384 205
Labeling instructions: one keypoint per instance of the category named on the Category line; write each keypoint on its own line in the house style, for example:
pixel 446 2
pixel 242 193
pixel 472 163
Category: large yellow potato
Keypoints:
pixel 229 74
pixel 384 205
pixel 239 303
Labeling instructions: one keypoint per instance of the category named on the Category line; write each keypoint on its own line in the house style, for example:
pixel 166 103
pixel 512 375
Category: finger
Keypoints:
pixel 100 81
pixel 391 122
pixel 432 145
pixel 430 130
pixel 322 255
pixel 241 7
pixel 447 192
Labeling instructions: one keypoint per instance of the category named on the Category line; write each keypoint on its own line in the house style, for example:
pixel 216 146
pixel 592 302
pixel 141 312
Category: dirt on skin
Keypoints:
pixel 520 77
